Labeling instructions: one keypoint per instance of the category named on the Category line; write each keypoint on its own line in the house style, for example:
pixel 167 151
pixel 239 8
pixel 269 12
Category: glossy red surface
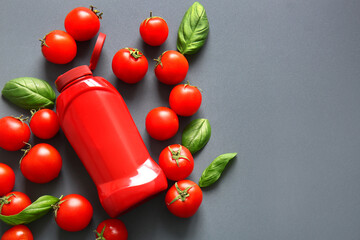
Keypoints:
pixel 98 125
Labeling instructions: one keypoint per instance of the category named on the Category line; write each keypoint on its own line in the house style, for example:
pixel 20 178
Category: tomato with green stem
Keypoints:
pixel 111 229
pixel 14 133
pixel 184 198
pixel 44 123
pixel 19 232
pixel 41 163
pixel 185 99
pixel 171 67
pixel 176 161
pixel 154 30
pixel 7 179
pixel 73 213
pixel 83 23
pixel 129 65
pixel 13 203
pixel 58 47
pixel 162 123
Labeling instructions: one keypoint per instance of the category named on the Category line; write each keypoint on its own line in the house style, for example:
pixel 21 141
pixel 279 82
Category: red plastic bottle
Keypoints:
pixel 98 125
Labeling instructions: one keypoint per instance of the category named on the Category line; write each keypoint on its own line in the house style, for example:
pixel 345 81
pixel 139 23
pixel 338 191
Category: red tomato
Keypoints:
pixel 14 133
pixel 154 30
pixel 73 213
pixel 14 202
pixel 83 23
pixel 184 198
pixel 19 232
pixel 176 161
pixel 58 47
pixel 41 164
pixel 44 124
pixel 162 123
pixel 129 65
pixel 185 99
pixel 7 179
pixel 111 229
pixel 171 67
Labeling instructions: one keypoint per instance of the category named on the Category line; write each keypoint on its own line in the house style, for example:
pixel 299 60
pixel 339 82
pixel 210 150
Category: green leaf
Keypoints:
pixel 29 93
pixel 196 134
pixel 213 172
pixel 32 212
pixel 193 30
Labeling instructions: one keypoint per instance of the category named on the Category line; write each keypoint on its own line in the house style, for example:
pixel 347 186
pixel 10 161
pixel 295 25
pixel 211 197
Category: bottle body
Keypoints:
pixel 98 125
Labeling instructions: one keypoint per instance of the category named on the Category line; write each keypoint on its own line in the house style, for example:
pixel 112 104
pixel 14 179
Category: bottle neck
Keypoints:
pixel 70 77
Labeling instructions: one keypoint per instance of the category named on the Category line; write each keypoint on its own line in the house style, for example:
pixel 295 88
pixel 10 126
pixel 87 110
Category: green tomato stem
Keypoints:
pixel 183 194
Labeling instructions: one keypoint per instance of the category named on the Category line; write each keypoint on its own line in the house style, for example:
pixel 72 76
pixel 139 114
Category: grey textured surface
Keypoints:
pixel 281 87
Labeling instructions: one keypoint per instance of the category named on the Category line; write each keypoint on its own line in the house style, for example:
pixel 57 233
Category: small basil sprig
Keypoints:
pixel 29 93
pixel 196 134
pixel 193 30
pixel 32 212
pixel 213 172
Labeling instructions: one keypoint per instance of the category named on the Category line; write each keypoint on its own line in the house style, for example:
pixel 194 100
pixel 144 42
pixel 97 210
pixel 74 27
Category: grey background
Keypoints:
pixel 281 87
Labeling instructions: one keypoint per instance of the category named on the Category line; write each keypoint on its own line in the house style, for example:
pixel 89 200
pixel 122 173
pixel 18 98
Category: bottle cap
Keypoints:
pixel 84 70
pixel 97 51
pixel 70 75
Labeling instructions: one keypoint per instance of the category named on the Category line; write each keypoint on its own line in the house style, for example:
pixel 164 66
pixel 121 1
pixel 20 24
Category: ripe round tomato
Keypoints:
pixel 184 198
pixel 58 47
pixel 14 133
pixel 176 161
pixel 83 23
pixel 162 123
pixel 154 30
pixel 112 229
pixel 41 164
pixel 7 179
pixel 73 213
pixel 171 67
pixel 185 99
pixel 129 65
pixel 14 202
pixel 44 124
pixel 19 232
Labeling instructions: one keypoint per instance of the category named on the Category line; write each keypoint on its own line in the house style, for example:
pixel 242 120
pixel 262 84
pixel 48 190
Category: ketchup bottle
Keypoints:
pixel 98 125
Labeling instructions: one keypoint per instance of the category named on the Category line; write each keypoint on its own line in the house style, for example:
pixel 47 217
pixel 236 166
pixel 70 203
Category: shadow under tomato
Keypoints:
pixel 128 91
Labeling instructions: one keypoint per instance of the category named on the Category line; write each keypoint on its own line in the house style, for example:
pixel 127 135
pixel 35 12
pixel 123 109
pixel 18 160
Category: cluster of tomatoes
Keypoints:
pixel 41 164
pixel 81 24
pixel 184 198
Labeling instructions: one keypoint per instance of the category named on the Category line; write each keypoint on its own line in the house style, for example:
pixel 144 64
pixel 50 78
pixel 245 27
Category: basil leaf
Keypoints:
pixel 213 172
pixel 193 30
pixel 196 134
pixel 32 212
pixel 29 93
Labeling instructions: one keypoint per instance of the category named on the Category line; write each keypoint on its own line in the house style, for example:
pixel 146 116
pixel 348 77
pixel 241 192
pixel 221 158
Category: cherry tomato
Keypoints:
pixel 14 133
pixel 184 198
pixel 14 202
pixel 162 123
pixel 73 213
pixel 83 23
pixel 185 99
pixel 7 179
pixel 58 47
pixel 154 30
pixel 19 232
pixel 41 164
pixel 111 229
pixel 129 65
pixel 171 67
pixel 44 124
pixel 176 161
